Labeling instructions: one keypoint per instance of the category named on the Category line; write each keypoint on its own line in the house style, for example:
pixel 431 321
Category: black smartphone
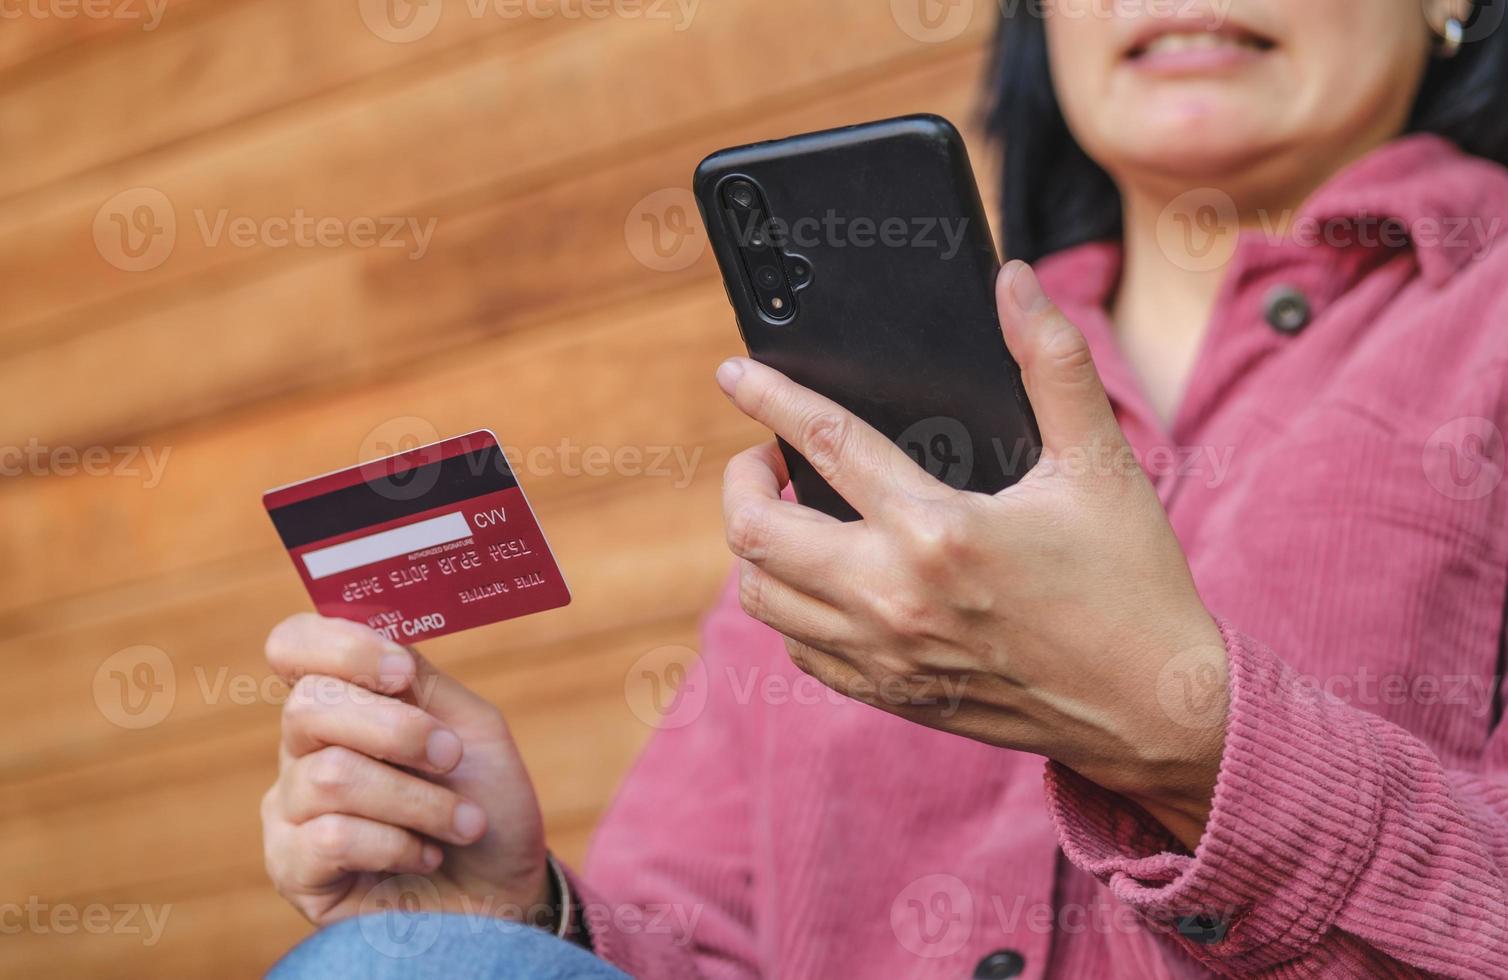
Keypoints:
pixel 859 262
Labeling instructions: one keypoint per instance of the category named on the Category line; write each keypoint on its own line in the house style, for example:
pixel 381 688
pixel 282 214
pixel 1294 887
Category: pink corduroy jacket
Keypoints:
pixel 1333 473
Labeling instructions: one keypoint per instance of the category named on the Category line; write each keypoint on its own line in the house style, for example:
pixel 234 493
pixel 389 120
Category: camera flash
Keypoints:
pixel 778 303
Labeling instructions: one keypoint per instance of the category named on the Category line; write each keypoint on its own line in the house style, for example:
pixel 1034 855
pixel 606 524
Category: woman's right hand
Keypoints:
pixel 389 767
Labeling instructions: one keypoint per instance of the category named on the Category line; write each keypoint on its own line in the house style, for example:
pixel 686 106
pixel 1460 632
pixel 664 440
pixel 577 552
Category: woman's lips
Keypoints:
pixel 1188 51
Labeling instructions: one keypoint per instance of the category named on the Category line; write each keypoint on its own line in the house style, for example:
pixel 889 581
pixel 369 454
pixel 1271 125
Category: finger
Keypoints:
pixel 453 703
pixel 794 543
pixel 832 670
pixel 913 698
pixel 1056 365
pixel 789 612
pixel 763 469
pixel 333 845
pixel 324 711
pixel 337 780
pixel 867 469
pixel 309 644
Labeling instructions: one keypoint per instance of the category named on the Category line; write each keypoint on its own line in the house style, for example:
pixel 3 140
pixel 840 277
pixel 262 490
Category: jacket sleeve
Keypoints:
pixel 669 882
pixel 1338 843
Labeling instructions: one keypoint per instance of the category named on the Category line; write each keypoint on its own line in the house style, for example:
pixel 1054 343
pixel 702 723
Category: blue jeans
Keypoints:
pixel 430 946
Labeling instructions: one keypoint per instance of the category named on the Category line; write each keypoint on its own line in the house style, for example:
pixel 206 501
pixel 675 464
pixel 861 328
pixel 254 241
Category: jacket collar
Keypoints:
pixel 1449 206
pixel 1419 192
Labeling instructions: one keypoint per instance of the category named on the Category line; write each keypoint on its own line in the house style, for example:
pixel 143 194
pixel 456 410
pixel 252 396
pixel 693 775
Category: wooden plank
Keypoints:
pixel 663 560
pixel 571 720
pixel 238 931
pixel 41 33
pixel 354 317
pixel 405 151
pixel 540 391
pixel 201 76
pixel 234 926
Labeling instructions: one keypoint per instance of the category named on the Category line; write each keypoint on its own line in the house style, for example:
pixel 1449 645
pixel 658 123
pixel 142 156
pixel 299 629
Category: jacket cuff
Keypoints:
pixel 1295 818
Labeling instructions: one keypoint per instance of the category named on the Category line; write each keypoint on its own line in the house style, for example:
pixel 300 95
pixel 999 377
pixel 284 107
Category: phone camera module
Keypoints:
pixel 742 194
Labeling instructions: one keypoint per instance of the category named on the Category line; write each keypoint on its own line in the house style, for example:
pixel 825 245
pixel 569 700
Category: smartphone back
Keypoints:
pixel 886 303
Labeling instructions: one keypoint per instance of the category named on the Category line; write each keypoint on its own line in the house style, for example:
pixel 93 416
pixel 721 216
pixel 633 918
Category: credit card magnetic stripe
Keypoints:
pixel 393 496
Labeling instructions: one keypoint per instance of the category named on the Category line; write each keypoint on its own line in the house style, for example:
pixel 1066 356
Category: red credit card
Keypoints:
pixel 420 544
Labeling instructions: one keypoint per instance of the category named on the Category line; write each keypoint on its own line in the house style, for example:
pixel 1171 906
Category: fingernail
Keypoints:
pixel 395 669
pixel 470 821
pixel 1026 291
pixel 431 856
pixel 728 374
pixel 443 750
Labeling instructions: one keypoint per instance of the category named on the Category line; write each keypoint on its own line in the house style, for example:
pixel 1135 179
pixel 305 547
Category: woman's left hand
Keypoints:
pixel 1056 609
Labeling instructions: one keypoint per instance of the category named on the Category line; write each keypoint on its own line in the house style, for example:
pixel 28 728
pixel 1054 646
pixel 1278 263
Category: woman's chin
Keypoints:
pixel 1211 156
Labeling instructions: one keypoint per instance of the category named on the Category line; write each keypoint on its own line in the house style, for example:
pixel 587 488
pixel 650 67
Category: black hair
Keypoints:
pixel 1054 196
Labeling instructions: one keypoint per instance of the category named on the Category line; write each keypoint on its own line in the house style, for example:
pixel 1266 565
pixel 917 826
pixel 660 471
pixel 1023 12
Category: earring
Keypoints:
pixel 1451 39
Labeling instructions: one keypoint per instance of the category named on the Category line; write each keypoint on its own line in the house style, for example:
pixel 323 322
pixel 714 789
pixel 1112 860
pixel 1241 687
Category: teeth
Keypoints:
pixel 1197 41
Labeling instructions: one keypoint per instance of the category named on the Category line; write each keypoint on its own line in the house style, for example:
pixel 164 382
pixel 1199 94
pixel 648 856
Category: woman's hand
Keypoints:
pixel 389 767
pixel 1056 608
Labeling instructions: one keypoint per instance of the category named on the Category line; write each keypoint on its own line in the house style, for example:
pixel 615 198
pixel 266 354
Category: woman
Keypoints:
pixel 1264 665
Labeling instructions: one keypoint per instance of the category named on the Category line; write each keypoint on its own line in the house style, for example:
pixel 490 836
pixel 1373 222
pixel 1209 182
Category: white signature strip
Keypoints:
pixel 343 557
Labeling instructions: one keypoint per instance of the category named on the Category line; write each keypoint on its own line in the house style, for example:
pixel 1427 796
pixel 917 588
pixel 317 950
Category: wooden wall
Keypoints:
pixel 139 331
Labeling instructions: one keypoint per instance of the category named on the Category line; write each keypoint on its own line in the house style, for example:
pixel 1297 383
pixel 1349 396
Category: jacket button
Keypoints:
pixel 1000 965
pixel 1205 930
pixel 1288 310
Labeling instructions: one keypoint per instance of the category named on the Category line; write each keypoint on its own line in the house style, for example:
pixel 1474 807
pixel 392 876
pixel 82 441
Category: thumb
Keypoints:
pixel 508 861
pixel 447 698
pixel 1056 366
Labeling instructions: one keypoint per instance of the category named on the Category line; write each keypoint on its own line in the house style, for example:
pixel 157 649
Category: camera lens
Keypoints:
pixel 768 277
pixel 799 272
pixel 742 194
